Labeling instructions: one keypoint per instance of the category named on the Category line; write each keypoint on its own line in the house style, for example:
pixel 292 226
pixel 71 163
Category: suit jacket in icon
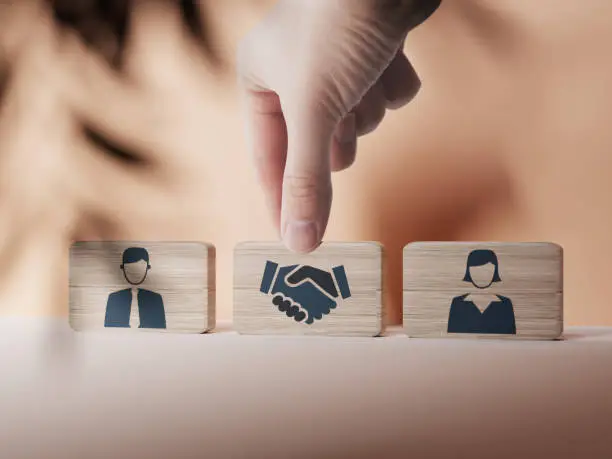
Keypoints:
pixel 150 306
pixel 498 318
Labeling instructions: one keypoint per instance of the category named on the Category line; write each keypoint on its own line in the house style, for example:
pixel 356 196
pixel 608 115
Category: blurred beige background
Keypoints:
pixel 509 139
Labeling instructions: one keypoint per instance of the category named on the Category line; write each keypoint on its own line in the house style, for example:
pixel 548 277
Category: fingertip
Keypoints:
pixel 302 236
pixel 343 156
pixel 400 82
pixel 305 210
pixel 395 103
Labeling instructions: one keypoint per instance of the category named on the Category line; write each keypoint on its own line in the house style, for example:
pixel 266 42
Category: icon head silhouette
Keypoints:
pixel 482 269
pixel 135 265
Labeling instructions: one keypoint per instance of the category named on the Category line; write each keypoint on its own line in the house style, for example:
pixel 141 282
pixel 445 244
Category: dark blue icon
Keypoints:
pixel 303 292
pixel 498 317
pixel 151 313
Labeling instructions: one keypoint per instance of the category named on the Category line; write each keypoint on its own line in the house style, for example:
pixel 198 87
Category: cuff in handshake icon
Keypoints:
pixel 303 292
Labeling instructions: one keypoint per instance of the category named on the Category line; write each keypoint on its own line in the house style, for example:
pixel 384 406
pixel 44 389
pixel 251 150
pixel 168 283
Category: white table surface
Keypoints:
pixel 70 395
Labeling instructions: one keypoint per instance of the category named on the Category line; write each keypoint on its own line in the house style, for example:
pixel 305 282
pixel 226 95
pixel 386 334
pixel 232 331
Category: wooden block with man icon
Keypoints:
pixel 335 290
pixel 142 286
pixel 483 290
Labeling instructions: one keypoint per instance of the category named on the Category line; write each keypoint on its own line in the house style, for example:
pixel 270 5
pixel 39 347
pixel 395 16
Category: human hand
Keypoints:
pixel 304 292
pixel 317 74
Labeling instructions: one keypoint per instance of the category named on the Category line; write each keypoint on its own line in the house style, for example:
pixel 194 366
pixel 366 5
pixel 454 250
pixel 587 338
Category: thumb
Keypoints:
pixel 307 189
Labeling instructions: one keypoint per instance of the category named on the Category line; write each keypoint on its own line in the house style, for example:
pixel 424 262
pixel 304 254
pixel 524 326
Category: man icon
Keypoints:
pixel 135 307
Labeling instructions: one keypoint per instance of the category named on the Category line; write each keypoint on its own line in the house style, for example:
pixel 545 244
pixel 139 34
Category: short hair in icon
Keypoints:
pixel 480 258
pixel 135 254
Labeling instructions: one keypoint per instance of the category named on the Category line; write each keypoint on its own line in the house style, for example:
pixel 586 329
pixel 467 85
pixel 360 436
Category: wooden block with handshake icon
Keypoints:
pixel 450 289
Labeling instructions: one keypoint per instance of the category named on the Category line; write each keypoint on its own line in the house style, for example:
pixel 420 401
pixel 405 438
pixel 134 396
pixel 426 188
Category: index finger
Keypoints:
pixel 307 189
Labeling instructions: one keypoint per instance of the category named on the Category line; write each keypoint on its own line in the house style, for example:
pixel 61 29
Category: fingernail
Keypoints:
pixel 301 236
pixel 347 130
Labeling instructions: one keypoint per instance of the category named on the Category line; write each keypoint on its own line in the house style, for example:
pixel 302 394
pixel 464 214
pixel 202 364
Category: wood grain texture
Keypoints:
pixel 362 314
pixel 523 267
pixel 183 273
pixel 531 276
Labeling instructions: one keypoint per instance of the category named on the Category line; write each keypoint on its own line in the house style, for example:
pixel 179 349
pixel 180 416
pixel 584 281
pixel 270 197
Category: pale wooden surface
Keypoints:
pixel 531 276
pixel 182 272
pixel 221 395
pixel 360 315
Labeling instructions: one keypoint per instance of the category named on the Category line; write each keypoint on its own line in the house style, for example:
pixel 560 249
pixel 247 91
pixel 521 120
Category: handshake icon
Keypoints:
pixel 304 293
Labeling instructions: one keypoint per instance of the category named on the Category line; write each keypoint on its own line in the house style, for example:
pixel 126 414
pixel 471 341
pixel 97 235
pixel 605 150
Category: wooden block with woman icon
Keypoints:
pixel 483 290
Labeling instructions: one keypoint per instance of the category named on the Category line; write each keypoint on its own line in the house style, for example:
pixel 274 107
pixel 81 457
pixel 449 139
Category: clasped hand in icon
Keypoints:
pixel 303 292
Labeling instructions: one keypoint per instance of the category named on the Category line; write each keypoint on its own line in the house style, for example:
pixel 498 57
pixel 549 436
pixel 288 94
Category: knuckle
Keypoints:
pixel 306 187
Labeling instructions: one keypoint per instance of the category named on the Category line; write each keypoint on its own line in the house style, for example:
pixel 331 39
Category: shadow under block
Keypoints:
pixel 483 290
pixel 177 295
pixel 335 290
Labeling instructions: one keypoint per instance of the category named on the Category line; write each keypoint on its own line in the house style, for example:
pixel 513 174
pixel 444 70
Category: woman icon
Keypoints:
pixel 498 317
